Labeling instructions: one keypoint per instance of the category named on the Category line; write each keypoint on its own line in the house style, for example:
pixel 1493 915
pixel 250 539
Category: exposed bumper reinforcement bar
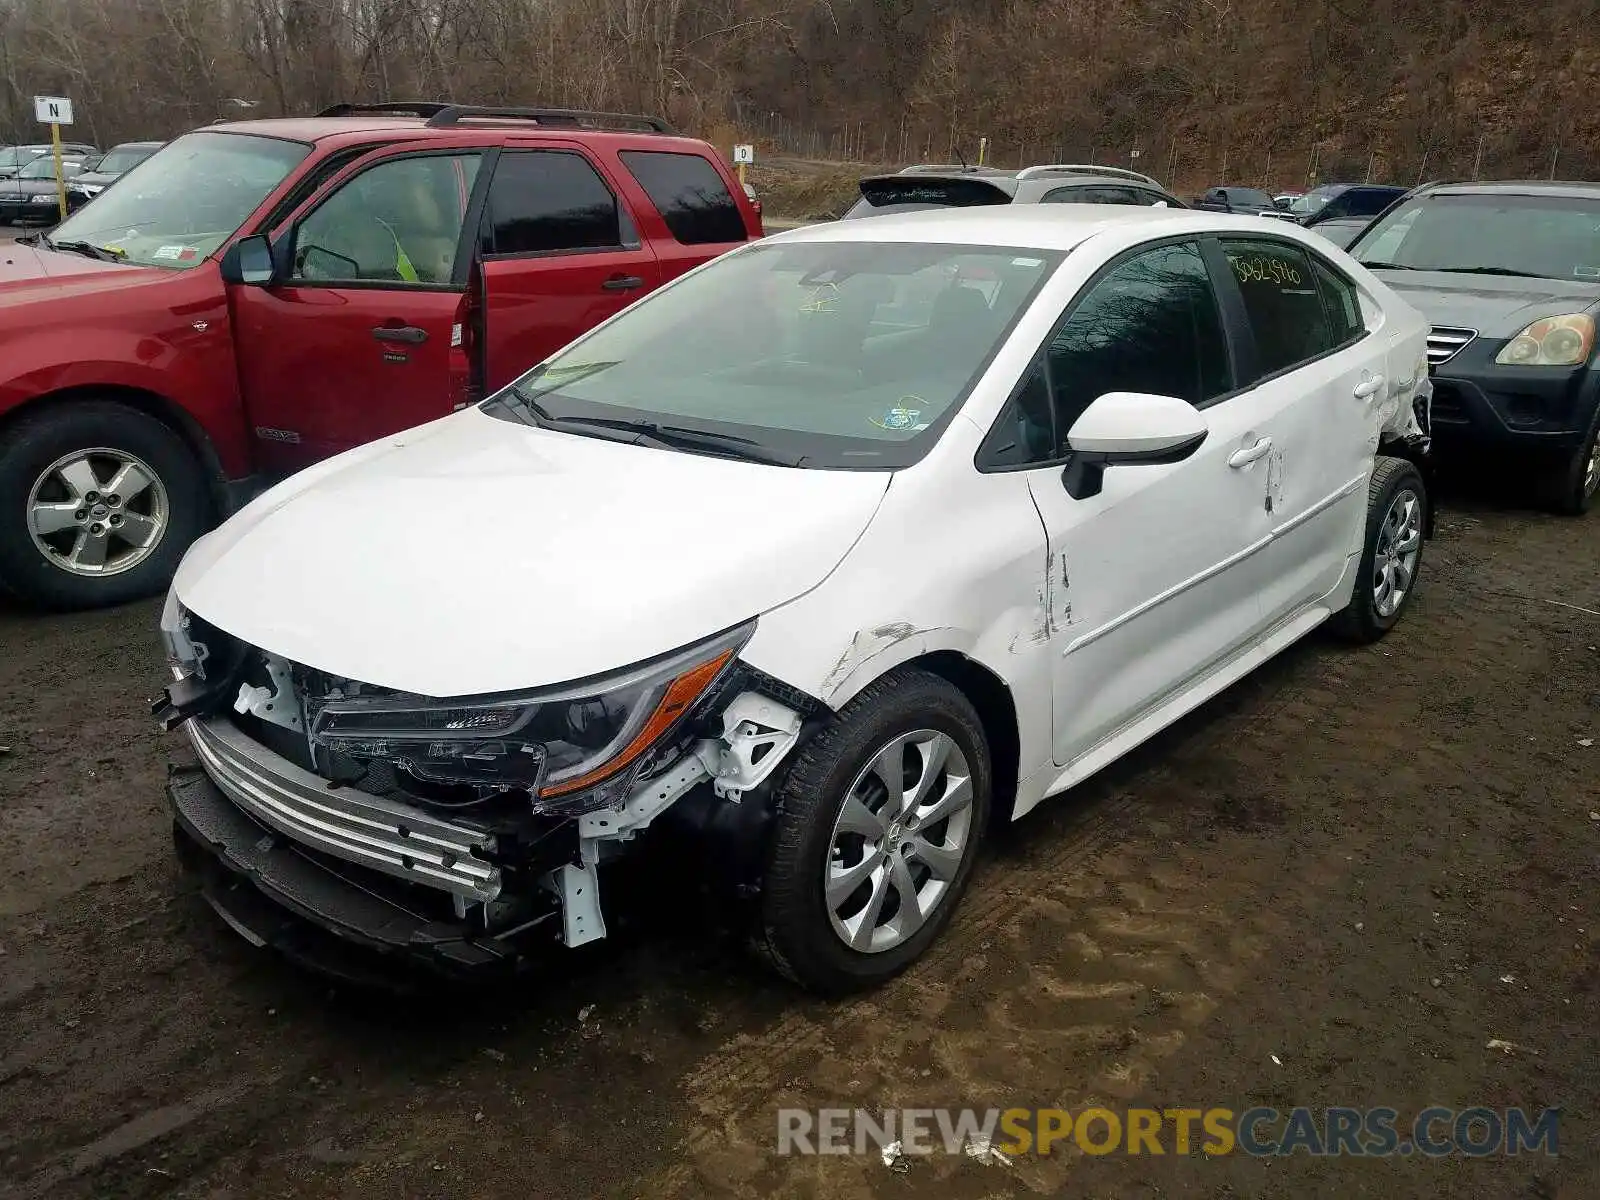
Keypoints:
pixel 393 838
pixel 250 863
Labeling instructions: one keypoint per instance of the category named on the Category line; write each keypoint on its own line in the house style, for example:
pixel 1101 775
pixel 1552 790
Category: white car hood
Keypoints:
pixel 478 555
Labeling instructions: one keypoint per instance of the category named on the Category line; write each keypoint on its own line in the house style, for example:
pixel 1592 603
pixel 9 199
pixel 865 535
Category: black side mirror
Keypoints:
pixel 249 261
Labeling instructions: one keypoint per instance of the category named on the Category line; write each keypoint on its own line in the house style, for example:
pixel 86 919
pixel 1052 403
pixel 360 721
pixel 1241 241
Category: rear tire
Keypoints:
pixel 910 862
pixel 1391 554
pixel 60 549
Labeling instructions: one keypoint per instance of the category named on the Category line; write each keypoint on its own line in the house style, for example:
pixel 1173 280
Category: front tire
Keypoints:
pixel 1391 555
pixel 880 820
pixel 98 502
pixel 1575 490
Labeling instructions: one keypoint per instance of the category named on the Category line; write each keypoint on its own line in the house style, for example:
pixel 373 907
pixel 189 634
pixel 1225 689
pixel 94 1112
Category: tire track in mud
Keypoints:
pixel 1073 969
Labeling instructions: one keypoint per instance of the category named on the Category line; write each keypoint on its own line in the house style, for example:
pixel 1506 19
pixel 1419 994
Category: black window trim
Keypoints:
pixel 1228 284
pixel 625 215
pixel 466 244
pixel 1041 356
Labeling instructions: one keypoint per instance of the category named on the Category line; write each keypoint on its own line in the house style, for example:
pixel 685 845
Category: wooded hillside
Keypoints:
pixel 1257 91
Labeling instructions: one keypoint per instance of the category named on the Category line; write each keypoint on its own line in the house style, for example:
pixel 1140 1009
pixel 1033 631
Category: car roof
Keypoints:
pixel 1029 226
pixel 1009 182
pixel 1517 187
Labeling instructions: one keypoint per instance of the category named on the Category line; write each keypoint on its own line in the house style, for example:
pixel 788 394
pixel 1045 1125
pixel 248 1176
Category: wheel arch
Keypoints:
pixel 997 710
pixel 151 404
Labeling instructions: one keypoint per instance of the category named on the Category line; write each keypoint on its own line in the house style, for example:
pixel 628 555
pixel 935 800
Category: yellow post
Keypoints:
pixel 741 174
pixel 61 181
pixel 983 150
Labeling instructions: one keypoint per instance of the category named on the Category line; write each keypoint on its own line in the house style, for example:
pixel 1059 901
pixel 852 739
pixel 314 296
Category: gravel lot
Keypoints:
pixel 1307 893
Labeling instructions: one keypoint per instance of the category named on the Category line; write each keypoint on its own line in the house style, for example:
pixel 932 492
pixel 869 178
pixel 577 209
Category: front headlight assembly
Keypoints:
pixel 574 748
pixel 1551 342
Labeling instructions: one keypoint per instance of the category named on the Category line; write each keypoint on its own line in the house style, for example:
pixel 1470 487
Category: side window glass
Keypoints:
pixel 1065 195
pixel 1024 433
pixel 1343 303
pixel 1369 204
pixel 546 200
pixel 690 195
pixel 398 222
pixel 1151 325
pixel 1282 303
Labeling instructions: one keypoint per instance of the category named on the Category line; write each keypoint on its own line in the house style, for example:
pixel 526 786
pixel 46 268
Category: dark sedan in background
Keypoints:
pixel 32 195
pixel 1340 211
pixel 1247 202
pixel 118 160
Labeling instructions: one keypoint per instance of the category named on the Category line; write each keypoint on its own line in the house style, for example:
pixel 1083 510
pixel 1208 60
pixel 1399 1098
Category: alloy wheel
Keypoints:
pixel 899 840
pixel 97 512
pixel 1394 563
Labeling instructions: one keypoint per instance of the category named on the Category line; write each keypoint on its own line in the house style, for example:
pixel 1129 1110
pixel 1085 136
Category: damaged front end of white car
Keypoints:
pixel 461 832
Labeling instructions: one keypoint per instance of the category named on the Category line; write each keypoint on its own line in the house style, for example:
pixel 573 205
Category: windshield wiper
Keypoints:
pixel 85 248
pixel 1387 266
pixel 679 437
pixel 1491 271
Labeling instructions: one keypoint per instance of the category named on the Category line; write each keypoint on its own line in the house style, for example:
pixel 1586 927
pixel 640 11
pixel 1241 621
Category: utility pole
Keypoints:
pixel 1477 161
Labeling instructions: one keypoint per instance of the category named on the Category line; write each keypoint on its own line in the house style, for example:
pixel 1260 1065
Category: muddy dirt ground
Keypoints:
pixel 1308 893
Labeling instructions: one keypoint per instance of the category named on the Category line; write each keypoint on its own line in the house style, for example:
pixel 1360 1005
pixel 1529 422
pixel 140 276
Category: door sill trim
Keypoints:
pixel 1188 697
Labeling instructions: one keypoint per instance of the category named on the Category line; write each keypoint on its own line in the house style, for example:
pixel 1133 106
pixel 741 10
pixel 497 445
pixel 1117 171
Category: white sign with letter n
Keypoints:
pixel 52 110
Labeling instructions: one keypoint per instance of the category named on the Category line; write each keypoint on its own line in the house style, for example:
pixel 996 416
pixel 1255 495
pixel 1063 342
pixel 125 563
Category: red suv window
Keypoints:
pixel 690 194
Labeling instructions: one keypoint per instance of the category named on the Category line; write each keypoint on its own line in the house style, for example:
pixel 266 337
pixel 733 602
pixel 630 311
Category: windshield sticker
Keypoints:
pixel 172 252
pixel 900 417
pixel 1027 262
pixel 1586 272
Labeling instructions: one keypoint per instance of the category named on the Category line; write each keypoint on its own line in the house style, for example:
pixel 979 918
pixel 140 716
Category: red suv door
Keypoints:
pixel 361 336
pixel 560 252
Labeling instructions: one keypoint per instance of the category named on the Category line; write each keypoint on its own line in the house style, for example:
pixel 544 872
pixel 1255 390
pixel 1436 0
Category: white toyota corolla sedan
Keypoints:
pixel 827 555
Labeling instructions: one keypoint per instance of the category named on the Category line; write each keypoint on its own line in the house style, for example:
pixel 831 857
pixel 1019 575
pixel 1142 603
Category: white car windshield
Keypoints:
pixel 816 354
pixel 185 200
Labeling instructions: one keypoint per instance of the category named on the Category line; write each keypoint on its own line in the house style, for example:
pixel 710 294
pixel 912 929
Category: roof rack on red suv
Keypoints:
pixel 398 108
pixel 442 115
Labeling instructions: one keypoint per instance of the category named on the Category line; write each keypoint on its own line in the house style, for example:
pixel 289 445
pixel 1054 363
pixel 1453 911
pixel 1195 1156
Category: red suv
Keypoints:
pixel 259 295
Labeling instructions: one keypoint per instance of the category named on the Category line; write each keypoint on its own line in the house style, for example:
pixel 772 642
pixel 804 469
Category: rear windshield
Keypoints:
pixel 1554 237
pixel 1250 197
pixel 910 195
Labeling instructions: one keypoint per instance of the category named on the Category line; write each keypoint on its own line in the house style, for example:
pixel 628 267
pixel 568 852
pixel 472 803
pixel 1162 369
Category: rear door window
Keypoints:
pixel 1361 202
pixel 690 195
pixel 1343 302
pixel 547 201
pixel 1282 303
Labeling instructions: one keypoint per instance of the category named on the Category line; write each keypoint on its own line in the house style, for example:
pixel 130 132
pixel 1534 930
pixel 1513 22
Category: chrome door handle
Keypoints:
pixel 1243 458
pixel 1368 388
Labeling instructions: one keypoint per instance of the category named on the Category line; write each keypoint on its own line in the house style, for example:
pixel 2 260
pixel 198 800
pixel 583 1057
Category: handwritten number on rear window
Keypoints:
pixel 1260 269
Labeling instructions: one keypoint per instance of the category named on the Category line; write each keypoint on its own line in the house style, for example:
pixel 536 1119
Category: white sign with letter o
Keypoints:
pixel 52 110
pixel 744 154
